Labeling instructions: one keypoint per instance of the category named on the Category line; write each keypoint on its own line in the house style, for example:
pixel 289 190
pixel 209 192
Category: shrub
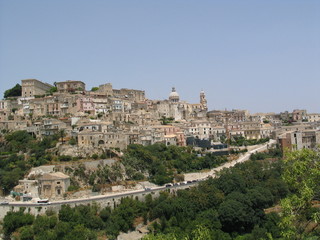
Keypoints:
pixel 65 158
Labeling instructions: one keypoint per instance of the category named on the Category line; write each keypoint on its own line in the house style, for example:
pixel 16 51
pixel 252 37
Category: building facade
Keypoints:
pixel 34 87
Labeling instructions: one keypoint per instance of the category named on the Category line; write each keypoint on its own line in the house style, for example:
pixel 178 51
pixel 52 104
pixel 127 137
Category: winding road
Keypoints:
pixel 191 178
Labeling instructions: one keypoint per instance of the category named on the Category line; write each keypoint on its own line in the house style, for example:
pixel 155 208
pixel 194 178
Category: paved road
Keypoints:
pixel 196 177
pixel 242 158
pixel 102 197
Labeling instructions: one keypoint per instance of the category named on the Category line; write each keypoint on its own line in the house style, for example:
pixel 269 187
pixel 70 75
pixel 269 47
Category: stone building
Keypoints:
pixel 313 117
pixel 34 87
pixel 172 135
pixel 28 188
pixel 50 185
pixel 51 126
pixel 103 140
pixel 85 104
pixel 297 140
pixel 299 115
pixel 70 86
pixel 232 116
pixel 200 129
pixel 53 185
pixel 8 108
pixel 130 94
pixel 106 89
pixel 174 108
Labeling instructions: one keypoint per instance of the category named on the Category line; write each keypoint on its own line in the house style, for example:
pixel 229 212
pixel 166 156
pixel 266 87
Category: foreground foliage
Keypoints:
pixel 229 207
pixel 302 174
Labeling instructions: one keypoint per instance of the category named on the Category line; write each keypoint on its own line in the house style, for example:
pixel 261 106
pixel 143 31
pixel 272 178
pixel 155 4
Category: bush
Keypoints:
pixel 72 188
pixel 179 177
pixel 72 141
pixel 138 176
pixel 96 188
pixel 65 158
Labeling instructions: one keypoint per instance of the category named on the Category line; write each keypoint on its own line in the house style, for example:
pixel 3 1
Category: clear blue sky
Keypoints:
pixel 263 56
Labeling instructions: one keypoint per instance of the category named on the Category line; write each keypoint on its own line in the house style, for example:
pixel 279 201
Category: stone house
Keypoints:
pixel 52 126
pixel 313 117
pixel 53 185
pixel 297 140
pixel 107 140
pixel 70 86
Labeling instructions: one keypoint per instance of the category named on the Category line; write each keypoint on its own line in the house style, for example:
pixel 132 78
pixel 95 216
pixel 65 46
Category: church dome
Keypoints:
pixel 174 96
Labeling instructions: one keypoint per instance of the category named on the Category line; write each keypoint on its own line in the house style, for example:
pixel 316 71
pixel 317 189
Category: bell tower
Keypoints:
pixel 203 100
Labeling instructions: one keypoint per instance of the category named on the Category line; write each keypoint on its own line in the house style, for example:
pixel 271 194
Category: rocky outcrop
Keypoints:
pixel 79 151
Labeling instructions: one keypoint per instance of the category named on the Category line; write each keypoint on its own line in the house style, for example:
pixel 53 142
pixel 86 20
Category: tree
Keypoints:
pixel 81 233
pixel 26 233
pixel 18 140
pixel 43 223
pixel 73 141
pixel 235 216
pixel 93 89
pixel 62 133
pixel 15 220
pixel 13 92
pixel 62 229
pixel 52 90
pixel 302 174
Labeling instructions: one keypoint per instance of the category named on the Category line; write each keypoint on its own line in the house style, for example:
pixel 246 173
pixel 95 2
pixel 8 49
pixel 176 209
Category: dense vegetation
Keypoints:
pixel 229 207
pixel 13 92
pixel 162 163
pixel 158 163
pixel 242 141
pixel 14 163
pixel 272 154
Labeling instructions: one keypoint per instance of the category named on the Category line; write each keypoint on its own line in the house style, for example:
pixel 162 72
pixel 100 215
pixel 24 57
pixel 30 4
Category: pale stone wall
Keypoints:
pixel 33 87
pixel 70 86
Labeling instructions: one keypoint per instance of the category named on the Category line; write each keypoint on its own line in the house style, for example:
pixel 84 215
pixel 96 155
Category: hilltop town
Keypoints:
pixel 104 121
pixel 114 118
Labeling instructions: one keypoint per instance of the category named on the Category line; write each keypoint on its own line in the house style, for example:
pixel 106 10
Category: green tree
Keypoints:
pixel 62 134
pixel 62 229
pixel 18 141
pixel 26 233
pixel 43 223
pixel 73 141
pixel 235 216
pixel 302 174
pixel 13 92
pixel 15 220
pixel 52 90
pixel 81 233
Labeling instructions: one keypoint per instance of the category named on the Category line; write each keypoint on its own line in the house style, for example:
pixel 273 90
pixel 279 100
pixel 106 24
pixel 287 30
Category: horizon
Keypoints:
pixel 249 55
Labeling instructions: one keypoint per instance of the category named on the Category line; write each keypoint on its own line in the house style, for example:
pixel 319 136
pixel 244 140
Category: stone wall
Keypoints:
pixel 107 201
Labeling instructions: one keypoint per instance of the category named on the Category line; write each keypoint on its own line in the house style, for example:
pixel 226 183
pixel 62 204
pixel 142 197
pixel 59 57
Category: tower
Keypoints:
pixel 203 100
